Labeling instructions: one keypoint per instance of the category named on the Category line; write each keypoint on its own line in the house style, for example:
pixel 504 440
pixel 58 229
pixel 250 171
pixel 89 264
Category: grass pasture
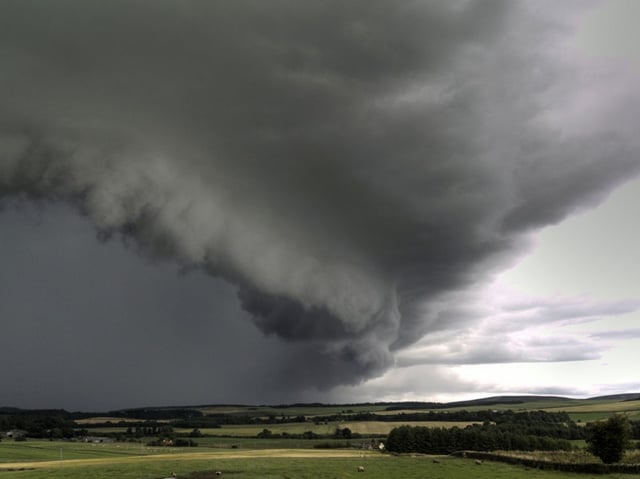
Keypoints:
pixel 276 464
pixel 35 450
pixel 598 409
pixel 277 443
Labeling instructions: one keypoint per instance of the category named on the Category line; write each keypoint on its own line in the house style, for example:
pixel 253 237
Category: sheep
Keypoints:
pixel 478 462
pixel 360 468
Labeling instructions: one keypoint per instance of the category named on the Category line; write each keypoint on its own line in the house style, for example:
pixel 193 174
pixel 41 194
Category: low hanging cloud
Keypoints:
pixel 349 167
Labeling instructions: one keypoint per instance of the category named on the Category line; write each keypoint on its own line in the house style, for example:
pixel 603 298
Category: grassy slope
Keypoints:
pixel 578 406
pixel 34 450
pixel 600 409
pixel 551 404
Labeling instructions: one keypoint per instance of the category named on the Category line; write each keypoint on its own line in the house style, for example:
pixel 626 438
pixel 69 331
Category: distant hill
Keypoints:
pixel 9 410
pixel 488 401
pixel 507 400
pixel 619 397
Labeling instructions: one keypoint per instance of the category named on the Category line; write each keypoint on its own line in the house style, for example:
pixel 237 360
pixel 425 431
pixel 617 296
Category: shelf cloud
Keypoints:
pixel 348 167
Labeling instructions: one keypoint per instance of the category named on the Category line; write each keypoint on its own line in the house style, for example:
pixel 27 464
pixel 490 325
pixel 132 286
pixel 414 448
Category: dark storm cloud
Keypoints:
pixel 89 326
pixel 345 165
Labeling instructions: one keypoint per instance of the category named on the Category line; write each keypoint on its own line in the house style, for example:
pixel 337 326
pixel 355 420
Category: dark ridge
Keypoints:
pixel 490 401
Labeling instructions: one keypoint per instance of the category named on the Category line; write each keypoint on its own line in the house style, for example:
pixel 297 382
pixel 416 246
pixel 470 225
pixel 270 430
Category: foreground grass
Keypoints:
pixel 277 464
pixel 33 450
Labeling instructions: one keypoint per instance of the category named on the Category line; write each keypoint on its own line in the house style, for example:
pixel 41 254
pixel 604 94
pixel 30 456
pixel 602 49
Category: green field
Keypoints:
pixel 37 450
pixel 219 442
pixel 267 464
pixel 596 410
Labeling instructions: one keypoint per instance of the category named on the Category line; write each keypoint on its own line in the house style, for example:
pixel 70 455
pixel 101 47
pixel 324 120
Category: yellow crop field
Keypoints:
pixel 383 427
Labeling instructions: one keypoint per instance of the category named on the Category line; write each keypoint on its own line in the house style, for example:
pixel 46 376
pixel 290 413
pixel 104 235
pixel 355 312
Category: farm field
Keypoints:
pixel 242 430
pixel 301 410
pixel 384 427
pixel 594 411
pixel 252 430
pixel 220 442
pixel 276 463
pixel 551 404
pixel 41 450
pixel 591 409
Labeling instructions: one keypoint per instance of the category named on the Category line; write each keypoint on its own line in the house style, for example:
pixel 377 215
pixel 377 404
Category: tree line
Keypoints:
pixel 485 437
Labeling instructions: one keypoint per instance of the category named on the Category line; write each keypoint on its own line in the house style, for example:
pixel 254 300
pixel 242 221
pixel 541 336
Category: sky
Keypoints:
pixel 277 202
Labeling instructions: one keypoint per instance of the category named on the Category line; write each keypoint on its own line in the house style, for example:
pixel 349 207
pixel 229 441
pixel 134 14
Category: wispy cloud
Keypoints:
pixel 623 334
pixel 512 327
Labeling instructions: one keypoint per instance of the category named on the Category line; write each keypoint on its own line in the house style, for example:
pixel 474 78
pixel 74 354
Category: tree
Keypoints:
pixel 608 439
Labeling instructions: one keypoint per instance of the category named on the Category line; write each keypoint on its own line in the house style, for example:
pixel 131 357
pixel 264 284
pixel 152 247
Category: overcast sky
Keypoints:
pixel 281 201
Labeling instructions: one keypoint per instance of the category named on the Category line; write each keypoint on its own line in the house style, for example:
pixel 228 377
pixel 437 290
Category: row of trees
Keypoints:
pixel 609 439
pixel 49 424
pixel 340 433
pixel 508 416
pixel 606 439
pixel 486 437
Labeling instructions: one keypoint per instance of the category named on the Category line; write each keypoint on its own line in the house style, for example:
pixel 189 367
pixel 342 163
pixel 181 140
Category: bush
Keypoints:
pixel 609 439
